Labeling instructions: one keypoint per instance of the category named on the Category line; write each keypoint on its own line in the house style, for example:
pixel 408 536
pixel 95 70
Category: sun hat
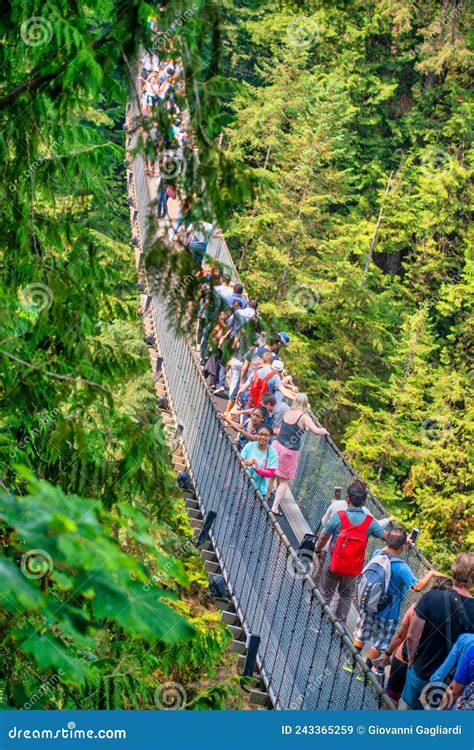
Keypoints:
pixel 278 365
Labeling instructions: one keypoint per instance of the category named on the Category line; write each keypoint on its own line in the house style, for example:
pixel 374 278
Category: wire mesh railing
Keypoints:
pixel 301 652
pixel 302 648
pixel 322 466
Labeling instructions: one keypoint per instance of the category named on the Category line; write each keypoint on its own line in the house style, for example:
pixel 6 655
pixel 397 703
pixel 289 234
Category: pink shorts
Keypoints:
pixel 287 461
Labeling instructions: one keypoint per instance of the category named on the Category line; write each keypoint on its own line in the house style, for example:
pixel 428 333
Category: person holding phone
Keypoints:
pixel 378 628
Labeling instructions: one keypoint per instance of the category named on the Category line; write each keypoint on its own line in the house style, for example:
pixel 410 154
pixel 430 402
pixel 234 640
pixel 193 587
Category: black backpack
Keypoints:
pixel 217 587
pixel 184 481
pixel 458 611
pixel 307 545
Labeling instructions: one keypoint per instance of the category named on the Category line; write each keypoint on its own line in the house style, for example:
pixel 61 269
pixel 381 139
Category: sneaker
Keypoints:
pixel 349 667
pixel 219 390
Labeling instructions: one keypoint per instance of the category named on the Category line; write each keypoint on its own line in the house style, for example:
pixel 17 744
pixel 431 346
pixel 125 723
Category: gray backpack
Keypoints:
pixel 372 589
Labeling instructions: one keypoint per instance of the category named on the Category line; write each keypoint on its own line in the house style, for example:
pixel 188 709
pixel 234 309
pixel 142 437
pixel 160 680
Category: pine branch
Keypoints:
pixel 55 375
pixel 34 83
pixel 31 85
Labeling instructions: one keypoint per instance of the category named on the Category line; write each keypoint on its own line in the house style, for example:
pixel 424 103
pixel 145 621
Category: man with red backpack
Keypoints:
pixel 266 380
pixel 348 532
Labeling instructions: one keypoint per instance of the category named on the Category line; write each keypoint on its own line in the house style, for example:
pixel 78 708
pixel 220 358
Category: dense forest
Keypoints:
pixel 354 123
pixel 334 139
pixel 103 599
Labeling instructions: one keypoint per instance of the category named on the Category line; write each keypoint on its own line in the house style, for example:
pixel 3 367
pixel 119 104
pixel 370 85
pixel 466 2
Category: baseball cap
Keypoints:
pixel 284 337
pixel 277 364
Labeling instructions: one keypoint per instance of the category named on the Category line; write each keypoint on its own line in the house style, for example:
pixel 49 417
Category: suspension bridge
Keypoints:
pixel 282 628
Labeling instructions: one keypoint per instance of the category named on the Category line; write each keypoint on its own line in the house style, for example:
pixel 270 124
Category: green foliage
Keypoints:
pixel 74 577
pixel 326 103
pixel 102 514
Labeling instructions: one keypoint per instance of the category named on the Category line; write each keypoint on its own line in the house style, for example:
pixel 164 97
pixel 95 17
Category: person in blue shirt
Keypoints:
pixel 378 628
pixel 271 345
pixel 261 458
pixel 238 296
pixel 463 643
pixel 461 690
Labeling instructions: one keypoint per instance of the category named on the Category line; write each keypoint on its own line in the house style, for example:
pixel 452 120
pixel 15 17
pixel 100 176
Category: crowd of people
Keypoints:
pixel 434 642
pixel 243 364
pixel 429 655
pixel 240 360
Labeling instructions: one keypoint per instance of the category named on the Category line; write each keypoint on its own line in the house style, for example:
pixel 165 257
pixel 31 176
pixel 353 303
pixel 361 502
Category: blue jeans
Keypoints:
pixel 162 203
pixel 412 690
pixel 221 381
pixel 197 250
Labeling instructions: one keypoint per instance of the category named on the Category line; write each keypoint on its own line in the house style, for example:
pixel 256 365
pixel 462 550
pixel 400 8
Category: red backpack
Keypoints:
pixel 348 553
pixel 258 387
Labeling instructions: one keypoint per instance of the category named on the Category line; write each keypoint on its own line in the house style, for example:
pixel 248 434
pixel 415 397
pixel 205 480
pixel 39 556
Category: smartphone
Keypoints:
pixel 337 493
pixel 414 535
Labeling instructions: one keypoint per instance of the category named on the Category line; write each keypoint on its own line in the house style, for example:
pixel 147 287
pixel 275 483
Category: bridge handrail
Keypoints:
pixel 312 496
pixel 302 648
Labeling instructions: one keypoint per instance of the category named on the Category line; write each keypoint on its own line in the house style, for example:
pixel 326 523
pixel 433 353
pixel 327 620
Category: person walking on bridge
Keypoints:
pixel 295 422
pixel 260 458
pixel 440 617
pixel 348 531
pixel 381 590
pixel 266 380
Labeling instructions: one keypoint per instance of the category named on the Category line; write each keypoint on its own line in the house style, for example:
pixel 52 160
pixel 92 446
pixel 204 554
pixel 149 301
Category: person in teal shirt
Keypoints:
pixel 261 458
